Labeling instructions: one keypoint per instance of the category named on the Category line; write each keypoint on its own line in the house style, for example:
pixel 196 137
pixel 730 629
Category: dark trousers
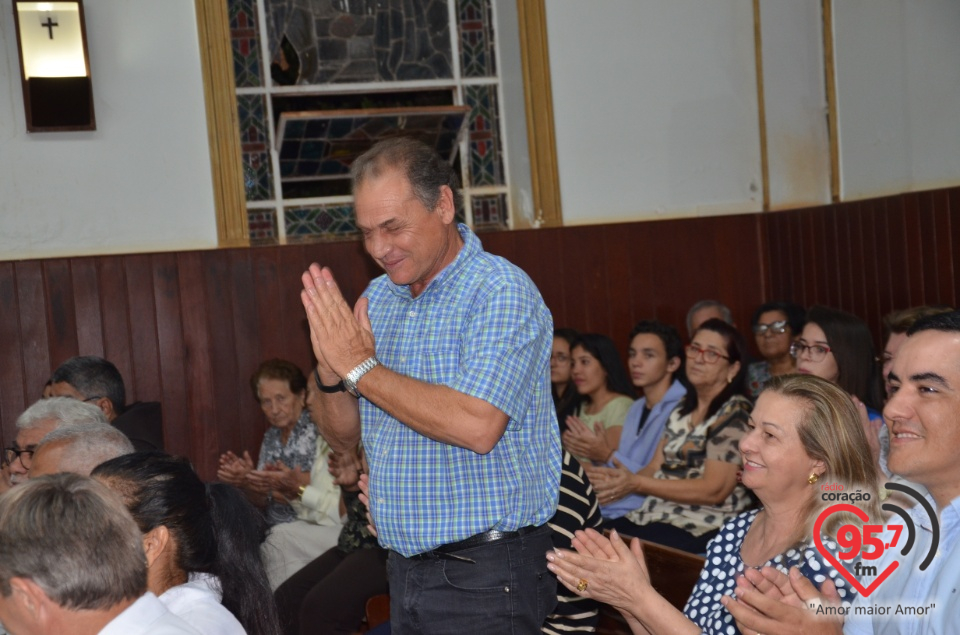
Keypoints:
pixel 329 595
pixel 508 590
pixel 662 534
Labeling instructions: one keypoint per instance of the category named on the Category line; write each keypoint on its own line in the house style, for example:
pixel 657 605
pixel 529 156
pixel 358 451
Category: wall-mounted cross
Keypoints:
pixel 48 25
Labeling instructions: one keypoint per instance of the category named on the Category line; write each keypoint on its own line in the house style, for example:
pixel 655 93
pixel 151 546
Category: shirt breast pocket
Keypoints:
pixel 440 367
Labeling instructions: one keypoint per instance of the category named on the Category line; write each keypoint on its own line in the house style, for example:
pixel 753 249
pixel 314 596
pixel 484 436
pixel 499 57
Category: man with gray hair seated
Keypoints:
pixel 72 561
pixel 39 420
pixel 705 310
pixel 78 449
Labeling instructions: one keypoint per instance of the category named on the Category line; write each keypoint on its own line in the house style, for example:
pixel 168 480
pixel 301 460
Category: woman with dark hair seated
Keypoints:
pixel 775 325
pixel 565 396
pixel 202 543
pixel 691 482
pixel 804 432
pixel 606 394
pixel 838 346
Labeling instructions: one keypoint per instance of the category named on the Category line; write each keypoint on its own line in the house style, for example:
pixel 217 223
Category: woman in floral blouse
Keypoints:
pixel 691 483
pixel 289 445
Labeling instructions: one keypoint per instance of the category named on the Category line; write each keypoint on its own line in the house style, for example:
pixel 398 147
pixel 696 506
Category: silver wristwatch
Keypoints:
pixel 351 379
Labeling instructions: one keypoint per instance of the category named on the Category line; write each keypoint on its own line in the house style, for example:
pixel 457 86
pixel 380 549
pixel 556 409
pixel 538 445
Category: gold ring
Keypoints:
pixel 582 585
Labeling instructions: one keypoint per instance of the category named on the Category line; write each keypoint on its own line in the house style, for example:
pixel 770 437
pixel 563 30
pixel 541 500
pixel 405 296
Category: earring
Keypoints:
pixel 813 478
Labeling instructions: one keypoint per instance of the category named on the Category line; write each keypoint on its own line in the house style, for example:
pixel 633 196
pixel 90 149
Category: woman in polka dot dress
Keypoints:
pixel 804 434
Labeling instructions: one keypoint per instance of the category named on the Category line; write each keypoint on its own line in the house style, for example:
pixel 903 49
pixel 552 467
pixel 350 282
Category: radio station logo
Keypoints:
pixel 860 548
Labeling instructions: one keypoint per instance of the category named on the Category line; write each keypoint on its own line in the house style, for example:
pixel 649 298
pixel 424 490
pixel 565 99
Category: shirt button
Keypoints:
pixel 412 313
pixel 380 500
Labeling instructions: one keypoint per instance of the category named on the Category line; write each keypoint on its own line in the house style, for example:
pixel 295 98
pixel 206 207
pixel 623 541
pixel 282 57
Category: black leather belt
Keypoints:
pixel 448 551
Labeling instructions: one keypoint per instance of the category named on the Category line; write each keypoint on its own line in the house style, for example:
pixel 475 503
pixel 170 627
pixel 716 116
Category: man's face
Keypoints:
pixel 647 360
pixel 27 440
pixel 410 242
pixel 923 412
pixel 47 459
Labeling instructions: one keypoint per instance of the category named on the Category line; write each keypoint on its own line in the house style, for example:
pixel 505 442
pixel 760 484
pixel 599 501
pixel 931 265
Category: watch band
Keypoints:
pixel 337 387
pixel 351 378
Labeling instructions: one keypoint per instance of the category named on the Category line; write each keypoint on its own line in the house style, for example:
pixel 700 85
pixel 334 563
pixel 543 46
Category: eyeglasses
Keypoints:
pixel 709 356
pixel 12 454
pixel 816 351
pixel 774 328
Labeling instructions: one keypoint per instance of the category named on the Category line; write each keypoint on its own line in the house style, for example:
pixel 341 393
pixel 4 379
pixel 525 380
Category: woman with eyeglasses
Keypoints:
pixel 691 483
pixel 565 396
pixel 838 346
pixel 775 325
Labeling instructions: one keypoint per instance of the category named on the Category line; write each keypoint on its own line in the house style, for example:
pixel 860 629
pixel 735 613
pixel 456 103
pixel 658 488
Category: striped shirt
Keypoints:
pixel 578 509
pixel 481 328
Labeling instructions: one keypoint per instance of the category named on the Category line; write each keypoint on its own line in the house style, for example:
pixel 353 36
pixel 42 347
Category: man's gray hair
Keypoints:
pixel 63 410
pixel 425 170
pixel 74 539
pixel 87 446
pixel 707 304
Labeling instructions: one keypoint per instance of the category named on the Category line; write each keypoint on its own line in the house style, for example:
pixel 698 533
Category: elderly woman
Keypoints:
pixel 775 325
pixel 803 432
pixel 202 544
pixel 691 482
pixel 289 445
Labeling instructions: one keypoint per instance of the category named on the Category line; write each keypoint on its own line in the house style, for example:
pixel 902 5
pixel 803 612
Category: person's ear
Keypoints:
pixel 155 543
pixel 673 365
pixel 106 406
pixel 734 369
pixel 31 599
pixel 445 205
pixel 818 467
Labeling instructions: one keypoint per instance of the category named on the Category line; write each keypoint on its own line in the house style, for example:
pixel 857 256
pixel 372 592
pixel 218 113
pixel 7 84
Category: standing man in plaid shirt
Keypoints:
pixel 444 365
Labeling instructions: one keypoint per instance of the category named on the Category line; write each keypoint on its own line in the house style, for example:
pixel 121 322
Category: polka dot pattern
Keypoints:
pixel 723 566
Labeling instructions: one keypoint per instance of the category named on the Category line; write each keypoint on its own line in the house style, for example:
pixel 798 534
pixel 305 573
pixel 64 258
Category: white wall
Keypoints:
pixel 898 94
pixel 656 103
pixel 142 180
pixel 655 106
pixel 798 143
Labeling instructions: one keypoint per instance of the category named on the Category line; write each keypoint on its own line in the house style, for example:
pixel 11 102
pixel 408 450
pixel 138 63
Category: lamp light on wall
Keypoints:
pixel 54 66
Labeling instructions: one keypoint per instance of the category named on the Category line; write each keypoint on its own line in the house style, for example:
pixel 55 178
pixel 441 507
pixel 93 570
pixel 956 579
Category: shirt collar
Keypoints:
pixel 471 247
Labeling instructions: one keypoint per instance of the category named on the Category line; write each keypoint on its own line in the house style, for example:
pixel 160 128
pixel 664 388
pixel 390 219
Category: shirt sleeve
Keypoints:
pixel 505 347
pixel 615 412
pixel 320 503
pixel 723 437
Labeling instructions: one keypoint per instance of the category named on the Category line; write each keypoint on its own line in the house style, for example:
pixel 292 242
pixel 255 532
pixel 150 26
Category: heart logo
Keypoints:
pixel 864 591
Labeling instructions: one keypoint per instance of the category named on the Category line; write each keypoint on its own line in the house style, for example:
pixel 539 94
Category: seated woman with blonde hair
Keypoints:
pixel 803 433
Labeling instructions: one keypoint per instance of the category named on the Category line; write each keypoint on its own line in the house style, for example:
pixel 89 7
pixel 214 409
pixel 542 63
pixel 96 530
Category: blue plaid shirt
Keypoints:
pixel 481 328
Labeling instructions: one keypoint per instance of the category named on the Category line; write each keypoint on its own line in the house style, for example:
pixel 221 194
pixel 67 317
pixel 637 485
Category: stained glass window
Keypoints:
pixel 385 55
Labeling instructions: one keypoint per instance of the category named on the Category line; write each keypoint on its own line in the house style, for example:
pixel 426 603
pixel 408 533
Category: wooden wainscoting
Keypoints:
pixel 188 328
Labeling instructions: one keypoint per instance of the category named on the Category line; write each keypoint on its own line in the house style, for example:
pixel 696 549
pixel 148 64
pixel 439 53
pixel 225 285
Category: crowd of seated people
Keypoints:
pixel 672 467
